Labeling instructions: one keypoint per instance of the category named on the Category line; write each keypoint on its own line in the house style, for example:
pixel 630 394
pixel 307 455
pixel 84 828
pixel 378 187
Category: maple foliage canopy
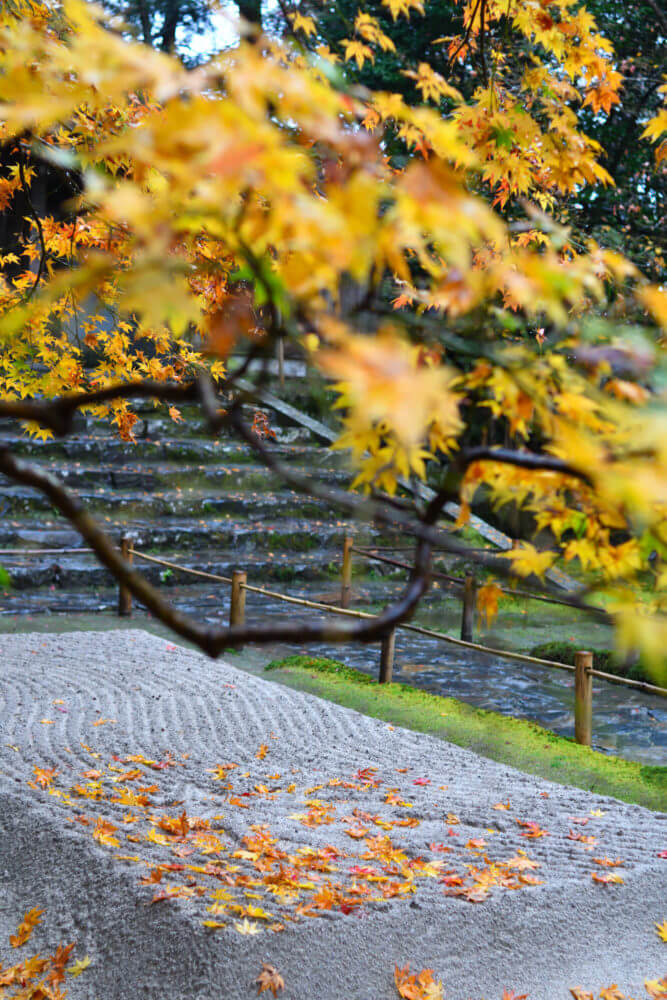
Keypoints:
pixel 234 204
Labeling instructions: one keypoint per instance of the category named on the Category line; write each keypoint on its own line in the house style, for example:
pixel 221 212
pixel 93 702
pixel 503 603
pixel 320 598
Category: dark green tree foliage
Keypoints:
pixel 632 216
pixel 414 40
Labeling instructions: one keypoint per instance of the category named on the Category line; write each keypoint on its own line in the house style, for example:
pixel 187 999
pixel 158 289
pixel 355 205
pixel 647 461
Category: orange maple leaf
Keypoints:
pixel 417 986
pixel 269 979
pixel 26 927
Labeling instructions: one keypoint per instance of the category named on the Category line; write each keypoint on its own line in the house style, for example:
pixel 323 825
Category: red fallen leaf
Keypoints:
pixel 440 848
pixel 582 820
pixel 662 854
pixel 422 781
pixel 451 832
pixel 532 830
pixel 607 879
pixel 367 774
pixel 451 880
pixel 511 995
pixel 58 962
pixel 155 875
pixel 476 845
pixel 161 897
pixel 582 837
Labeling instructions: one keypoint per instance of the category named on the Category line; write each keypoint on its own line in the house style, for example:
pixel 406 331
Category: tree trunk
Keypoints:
pixel 251 10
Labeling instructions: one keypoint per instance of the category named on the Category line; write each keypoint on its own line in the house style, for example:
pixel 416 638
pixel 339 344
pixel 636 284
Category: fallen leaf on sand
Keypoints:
pixel 26 927
pixel 77 967
pixel 269 979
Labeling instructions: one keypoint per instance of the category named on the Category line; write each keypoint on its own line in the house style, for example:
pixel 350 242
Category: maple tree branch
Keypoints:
pixel 212 641
pixel 385 510
pixel 58 414
pixel 466 36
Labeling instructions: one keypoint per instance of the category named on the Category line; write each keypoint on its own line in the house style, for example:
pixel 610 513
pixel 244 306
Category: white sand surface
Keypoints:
pixel 170 706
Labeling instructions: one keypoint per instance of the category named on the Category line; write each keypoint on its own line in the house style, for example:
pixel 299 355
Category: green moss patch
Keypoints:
pixel 516 742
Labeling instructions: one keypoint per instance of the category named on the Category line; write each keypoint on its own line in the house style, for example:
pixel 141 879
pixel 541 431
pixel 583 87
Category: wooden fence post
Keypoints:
pixel 468 613
pixel 125 595
pixel 583 697
pixel 237 606
pixel 387 657
pixel 346 587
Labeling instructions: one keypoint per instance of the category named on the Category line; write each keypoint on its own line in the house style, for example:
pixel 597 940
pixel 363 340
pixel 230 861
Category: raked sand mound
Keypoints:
pixel 354 840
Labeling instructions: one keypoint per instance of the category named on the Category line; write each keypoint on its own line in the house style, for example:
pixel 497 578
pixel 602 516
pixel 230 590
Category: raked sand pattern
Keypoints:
pixel 185 822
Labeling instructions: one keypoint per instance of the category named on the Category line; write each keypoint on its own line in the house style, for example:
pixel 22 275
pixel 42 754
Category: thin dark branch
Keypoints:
pixel 376 509
pixel 38 223
pixel 521 459
pixel 58 415
pixel 212 641
pixel 450 61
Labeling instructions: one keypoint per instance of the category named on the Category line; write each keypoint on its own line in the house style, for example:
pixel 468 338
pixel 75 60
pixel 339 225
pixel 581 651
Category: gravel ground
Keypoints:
pixel 180 716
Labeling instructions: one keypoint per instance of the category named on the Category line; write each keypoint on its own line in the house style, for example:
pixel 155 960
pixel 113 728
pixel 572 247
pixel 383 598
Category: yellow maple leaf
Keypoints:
pixel 656 988
pixel 661 930
pixel 526 559
pixel 301 22
pixel 354 49
pixel 246 926
pixel 77 967
pixel 655 300
pixel 397 7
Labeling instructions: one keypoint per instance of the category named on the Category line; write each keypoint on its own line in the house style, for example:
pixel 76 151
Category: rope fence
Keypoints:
pixel 42 552
pixel 457 580
pixel 582 669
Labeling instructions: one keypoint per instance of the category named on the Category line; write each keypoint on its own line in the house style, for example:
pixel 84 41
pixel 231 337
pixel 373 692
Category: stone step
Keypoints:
pixel 111 450
pixel 18 501
pixel 288 534
pixel 151 476
pixel 84 572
